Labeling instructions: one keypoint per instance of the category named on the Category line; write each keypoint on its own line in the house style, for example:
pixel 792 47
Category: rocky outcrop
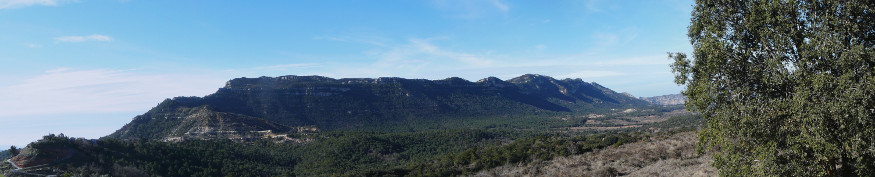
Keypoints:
pixel 200 122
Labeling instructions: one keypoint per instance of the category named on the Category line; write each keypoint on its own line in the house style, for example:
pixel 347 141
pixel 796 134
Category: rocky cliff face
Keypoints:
pixel 672 99
pixel 174 122
pixel 277 103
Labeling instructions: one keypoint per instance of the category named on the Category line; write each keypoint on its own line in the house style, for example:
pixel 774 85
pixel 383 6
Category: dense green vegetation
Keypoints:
pixel 680 122
pixel 787 88
pixel 473 145
pixel 5 154
pixel 433 153
pixel 542 148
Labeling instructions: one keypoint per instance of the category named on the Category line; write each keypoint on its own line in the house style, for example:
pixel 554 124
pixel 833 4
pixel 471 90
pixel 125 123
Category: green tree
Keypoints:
pixel 785 86
pixel 13 151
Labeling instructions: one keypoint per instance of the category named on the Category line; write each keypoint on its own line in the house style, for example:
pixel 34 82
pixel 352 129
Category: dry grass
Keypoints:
pixel 658 156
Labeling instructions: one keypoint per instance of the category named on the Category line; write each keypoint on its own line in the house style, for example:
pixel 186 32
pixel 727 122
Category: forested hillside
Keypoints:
pixel 317 126
pixel 447 152
pixel 672 154
pixel 433 153
pixel 279 104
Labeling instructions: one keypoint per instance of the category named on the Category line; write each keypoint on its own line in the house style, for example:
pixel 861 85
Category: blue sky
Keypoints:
pixel 85 67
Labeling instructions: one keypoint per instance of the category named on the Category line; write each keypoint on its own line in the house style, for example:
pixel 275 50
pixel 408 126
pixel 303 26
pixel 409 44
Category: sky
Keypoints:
pixel 86 67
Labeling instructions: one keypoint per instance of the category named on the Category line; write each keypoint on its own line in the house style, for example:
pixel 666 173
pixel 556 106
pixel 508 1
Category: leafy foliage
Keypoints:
pixel 13 151
pixel 785 87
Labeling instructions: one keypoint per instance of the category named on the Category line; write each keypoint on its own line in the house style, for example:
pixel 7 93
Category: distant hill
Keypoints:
pixel 4 155
pixel 247 105
pixel 671 99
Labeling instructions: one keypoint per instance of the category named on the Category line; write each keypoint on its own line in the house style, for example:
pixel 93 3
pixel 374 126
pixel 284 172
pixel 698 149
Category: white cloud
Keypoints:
pixel 10 4
pixel 64 91
pixel 93 37
pixel 420 53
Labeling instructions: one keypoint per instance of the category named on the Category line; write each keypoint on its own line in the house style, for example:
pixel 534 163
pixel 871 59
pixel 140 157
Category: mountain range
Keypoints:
pixel 389 126
pixel 280 104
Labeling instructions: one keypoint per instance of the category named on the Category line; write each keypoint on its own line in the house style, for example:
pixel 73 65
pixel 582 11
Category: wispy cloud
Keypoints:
pixel 420 53
pixel 11 4
pixel 613 39
pixel 500 5
pixel 93 37
pixel 606 39
pixel 593 6
pixel 603 61
pixel 64 90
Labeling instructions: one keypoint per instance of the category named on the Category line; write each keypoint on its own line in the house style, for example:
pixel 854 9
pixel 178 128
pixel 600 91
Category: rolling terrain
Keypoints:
pixel 663 155
pixel 319 126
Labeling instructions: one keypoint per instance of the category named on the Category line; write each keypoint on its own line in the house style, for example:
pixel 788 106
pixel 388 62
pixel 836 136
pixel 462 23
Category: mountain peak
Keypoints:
pixel 531 78
pixel 493 82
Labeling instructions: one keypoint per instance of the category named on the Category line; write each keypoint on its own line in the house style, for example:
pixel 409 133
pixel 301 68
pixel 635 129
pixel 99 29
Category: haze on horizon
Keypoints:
pixel 85 68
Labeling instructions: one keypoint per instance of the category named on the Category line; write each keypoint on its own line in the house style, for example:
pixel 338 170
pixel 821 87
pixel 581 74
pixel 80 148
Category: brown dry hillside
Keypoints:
pixel 673 155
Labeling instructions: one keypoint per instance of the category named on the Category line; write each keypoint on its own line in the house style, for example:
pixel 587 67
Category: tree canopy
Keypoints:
pixel 13 151
pixel 786 87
